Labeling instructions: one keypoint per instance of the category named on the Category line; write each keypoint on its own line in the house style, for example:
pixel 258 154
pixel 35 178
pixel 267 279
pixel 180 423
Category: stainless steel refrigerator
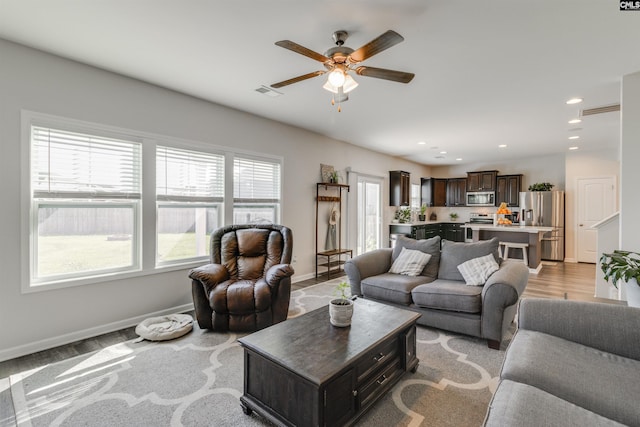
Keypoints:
pixel 545 208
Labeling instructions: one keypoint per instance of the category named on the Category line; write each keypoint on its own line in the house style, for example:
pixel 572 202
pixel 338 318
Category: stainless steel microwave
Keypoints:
pixel 481 198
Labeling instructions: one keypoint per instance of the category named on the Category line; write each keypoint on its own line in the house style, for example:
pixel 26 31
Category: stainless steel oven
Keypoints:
pixel 481 198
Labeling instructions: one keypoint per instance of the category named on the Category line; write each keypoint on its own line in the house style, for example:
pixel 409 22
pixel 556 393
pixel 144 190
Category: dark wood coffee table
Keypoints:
pixel 306 372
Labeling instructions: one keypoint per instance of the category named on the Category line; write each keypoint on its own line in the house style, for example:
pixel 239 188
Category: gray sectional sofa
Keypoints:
pixel 570 363
pixel 440 293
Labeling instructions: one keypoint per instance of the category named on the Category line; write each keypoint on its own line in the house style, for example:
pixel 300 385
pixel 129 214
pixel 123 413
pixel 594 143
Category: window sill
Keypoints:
pixel 111 277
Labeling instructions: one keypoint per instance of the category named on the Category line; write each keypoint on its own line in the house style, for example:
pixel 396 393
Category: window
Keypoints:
pixel 85 211
pixel 102 203
pixel 190 196
pixel 415 196
pixel 256 190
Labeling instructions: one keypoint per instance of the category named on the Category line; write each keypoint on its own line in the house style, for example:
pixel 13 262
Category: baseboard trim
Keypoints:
pixel 573 260
pixel 302 278
pixel 48 343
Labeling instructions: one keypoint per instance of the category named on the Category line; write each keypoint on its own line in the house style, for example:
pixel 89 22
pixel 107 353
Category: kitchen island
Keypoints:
pixel 517 234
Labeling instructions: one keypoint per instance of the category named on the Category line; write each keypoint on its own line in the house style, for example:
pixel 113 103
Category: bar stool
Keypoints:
pixel 513 245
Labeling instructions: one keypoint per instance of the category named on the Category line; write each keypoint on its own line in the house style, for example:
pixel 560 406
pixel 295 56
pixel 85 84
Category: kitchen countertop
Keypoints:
pixel 510 228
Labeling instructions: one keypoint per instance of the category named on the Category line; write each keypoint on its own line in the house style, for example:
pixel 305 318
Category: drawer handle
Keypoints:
pixel 379 357
pixel 383 379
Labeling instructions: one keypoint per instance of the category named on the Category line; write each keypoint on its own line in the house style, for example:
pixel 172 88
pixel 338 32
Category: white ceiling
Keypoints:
pixel 487 72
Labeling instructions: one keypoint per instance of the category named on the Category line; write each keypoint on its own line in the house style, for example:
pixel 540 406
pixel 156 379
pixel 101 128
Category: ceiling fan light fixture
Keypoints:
pixel 337 77
pixel 349 84
pixel 331 88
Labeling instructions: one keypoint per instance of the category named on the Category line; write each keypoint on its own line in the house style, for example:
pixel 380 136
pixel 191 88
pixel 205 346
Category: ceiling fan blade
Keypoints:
pixel 288 44
pixel 382 73
pixel 298 79
pixel 377 45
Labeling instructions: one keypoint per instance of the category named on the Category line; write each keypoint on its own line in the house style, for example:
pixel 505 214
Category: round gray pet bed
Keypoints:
pixel 163 328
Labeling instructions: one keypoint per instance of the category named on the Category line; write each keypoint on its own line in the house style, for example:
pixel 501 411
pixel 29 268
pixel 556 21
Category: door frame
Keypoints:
pixel 614 201
pixel 352 207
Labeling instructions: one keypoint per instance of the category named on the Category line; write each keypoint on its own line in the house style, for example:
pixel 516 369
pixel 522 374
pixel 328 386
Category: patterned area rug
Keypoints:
pixel 197 380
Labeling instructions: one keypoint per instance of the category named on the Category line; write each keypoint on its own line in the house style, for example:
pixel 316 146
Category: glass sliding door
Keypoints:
pixel 369 214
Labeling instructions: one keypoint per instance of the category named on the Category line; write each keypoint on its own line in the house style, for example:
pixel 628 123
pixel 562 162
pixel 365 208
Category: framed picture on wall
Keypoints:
pixel 325 172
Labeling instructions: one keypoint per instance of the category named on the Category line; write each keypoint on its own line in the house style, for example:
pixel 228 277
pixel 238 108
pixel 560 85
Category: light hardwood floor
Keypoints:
pixel 555 280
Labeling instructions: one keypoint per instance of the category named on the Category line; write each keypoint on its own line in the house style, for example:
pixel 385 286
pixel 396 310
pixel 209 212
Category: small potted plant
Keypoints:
pixel 341 309
pixel 423 209
pixel 403 215
pixel 541 186
pixel 623 266
pixel 453 216
pixel 334 177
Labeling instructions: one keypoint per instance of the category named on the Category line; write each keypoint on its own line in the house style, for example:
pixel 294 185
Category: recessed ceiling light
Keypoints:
pixel 502 146
pixel 421 143
pixel 574 121
pixel 459 159
pixel 575 147
pixel 574 101
pixel 574 137
pixel 443 152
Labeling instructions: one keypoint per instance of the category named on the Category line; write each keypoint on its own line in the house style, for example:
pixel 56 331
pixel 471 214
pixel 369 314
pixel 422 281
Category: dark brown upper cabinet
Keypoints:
pixel 481 181
pixel 433 191
pixel 508 189
pixel 399 188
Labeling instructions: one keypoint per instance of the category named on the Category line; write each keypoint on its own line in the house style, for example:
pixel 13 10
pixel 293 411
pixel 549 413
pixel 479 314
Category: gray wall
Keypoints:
pixel 36 81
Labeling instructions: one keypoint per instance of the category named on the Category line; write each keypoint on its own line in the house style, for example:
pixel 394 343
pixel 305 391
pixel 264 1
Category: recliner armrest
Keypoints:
pixel 278 272
pixel 607 327
pixel 210 274
pixel 366 265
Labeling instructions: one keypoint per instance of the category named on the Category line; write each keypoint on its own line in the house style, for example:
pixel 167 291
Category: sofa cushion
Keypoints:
pixel 517 404
pixel 448 295
pixel 428 246
pixel 392 287
pixel 410 262
pixel 576 373
pixel 455 253
pixel 476 271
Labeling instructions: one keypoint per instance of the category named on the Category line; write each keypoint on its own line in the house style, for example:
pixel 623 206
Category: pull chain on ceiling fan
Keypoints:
pixel 340 60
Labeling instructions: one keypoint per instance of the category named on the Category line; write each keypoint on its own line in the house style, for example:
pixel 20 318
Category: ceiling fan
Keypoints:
pixel 340 60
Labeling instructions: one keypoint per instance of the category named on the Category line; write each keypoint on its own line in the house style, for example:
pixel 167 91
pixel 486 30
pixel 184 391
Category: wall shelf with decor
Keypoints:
pixel 335 257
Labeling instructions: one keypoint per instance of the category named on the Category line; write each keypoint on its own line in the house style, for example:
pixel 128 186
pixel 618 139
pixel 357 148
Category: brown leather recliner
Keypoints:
pixel 248 283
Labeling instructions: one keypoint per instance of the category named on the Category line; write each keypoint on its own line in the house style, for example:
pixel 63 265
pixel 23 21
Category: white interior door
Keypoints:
pixel 596 200
pixel 369 216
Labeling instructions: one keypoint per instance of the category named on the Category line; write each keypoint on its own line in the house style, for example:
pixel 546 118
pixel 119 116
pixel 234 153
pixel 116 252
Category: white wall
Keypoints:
pixel 44 83
pixel 629 170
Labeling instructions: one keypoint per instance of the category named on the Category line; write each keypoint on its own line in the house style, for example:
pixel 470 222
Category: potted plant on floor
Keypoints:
pixel 623 266
pixel 341 309
pixel 423 209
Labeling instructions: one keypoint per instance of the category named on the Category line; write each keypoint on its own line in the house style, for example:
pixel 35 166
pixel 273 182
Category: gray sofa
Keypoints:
pixel 440 293
pixel 570 363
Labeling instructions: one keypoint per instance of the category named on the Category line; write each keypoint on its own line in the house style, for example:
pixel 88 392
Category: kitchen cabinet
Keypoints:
pixel 508 189
pixel 456 192
pixel 481 181
pixel 452 231
pixel 399 188
pixel 433 191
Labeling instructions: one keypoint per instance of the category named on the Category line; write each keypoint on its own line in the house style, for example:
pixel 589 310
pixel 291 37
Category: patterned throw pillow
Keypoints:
pixel 476 271
pixel 410 262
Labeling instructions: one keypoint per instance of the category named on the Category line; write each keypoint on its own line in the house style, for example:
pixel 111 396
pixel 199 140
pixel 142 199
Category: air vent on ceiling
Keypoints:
pixel 600 110
pixel 268 91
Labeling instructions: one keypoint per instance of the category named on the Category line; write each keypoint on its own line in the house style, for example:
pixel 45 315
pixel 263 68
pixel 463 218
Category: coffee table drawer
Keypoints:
pixel 376 358
pixel 380 383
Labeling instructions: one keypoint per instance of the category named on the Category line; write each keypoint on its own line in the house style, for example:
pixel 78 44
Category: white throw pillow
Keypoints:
pixel 476 271
pixel 410 262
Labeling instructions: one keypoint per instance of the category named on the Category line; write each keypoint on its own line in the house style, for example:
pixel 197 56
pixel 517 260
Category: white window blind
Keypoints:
pixel 256 181
pixel 183 175
pixel 75 165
